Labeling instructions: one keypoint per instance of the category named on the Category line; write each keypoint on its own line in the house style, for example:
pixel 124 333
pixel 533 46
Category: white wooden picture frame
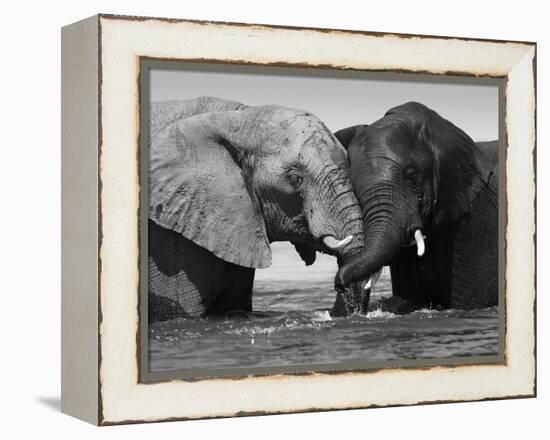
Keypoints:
pixel 101 59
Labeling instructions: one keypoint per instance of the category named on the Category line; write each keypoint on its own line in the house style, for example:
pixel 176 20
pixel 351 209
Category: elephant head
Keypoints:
pixel 416 175
pixel 233 178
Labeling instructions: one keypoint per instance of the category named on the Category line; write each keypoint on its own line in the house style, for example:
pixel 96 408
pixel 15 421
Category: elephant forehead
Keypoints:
pixel 314 150
pixel 283 119
pixel 389 139
pixel 325 146
pixel 303 133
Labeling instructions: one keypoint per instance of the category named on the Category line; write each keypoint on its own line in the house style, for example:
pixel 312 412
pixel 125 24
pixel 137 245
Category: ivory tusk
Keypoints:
pixel 334 244
pixel 419 238
pixel 373 279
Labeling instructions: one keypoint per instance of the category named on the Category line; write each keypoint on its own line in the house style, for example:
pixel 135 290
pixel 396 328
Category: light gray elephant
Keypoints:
pixel 225 180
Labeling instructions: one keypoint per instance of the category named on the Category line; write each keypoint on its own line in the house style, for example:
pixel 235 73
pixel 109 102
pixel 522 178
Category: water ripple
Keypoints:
pixel 292 325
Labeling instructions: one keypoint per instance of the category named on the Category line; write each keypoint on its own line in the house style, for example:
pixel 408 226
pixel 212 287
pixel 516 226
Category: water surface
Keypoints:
pixel 291 325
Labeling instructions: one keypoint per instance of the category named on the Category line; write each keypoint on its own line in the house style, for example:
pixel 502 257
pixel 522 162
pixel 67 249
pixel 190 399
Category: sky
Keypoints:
pixel 340 99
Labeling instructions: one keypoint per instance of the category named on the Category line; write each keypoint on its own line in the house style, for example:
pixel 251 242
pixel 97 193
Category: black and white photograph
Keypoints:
pixel 319 219
pixel 277 220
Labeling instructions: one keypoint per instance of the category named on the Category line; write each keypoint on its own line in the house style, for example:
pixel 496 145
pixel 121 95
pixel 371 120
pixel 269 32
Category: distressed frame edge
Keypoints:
pixel 530 46
pixel 124 17
pixel 80 121
pixel 102 421
pixel 313 410
pixel 535 201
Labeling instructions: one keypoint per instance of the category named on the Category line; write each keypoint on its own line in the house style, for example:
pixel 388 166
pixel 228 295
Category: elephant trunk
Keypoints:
pixel 355 298
pixel 348 221
pixel 335 220
pixel 354 292
pixel 386 230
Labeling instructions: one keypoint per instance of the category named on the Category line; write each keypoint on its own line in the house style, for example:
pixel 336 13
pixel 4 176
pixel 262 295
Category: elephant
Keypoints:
pixel 429 197
pixel 226 180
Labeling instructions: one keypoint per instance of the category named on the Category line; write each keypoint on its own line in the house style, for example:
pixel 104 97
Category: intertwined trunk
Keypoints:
pixel 336 211
pixel 385 232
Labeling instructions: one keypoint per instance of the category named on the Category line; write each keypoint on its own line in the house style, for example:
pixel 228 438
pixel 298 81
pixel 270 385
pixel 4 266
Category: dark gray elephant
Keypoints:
pixel 225 180
pixel 429 198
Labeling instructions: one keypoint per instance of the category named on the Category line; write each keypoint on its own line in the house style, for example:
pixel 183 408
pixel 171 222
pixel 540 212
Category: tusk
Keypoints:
pixel 373 279
pixel 334 244
pixel 419 238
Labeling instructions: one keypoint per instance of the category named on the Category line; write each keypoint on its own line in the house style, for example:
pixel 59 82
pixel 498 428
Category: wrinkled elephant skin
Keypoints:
pixel 429 198
pixel 226 180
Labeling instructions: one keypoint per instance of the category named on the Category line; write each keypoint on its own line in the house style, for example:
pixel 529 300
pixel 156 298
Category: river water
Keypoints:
pixel 291 325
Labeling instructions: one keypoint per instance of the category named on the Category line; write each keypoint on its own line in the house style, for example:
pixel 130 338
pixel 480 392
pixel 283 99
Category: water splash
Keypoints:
pixel 380 314
pixel 426 311
pixel 321 316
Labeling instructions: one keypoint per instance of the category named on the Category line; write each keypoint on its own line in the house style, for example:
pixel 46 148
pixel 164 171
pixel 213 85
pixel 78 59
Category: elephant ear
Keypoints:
pixel 346 135
pixel 455 169
pixel 198 189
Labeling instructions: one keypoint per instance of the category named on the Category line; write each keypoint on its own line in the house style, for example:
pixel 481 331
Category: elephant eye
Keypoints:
pixel 295 180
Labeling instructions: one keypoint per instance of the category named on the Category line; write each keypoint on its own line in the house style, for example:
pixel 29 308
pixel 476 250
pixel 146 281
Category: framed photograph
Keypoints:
pixel 263 219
